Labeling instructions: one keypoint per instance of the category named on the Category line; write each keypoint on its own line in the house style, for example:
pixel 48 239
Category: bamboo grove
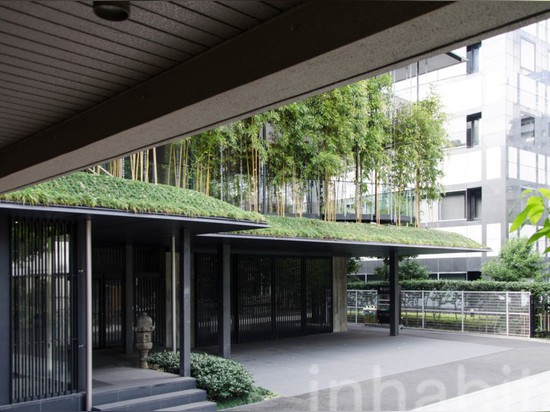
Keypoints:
pixel 289 158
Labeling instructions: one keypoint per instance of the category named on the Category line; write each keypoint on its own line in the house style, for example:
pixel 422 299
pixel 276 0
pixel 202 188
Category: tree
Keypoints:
pixel 418 148
pixel 353 266
pixel 409 269
pixel 431 144
pixel 371 134
pixel 517 261
pixel 291 151
pixel 534 211
pixel 333 133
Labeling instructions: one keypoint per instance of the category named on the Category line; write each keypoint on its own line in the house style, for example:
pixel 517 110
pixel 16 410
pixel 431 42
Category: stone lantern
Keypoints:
pixel 144 340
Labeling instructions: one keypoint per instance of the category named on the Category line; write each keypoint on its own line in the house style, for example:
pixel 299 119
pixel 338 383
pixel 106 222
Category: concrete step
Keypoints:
pixel 155 402
pixel 124 393
pixel 197 406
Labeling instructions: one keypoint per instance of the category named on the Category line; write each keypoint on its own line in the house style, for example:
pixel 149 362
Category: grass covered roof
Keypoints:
pixel 287 227
pixel 87 190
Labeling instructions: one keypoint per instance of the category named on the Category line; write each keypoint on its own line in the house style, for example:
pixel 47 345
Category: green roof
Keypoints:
pixel 94 191
pixel 287 227
pixel 87 190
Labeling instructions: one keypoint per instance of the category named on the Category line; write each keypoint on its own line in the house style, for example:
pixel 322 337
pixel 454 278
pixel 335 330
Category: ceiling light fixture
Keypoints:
pixel 112 10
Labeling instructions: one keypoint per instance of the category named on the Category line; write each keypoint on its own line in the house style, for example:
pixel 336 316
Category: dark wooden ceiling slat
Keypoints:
pixel 238 21
pixel 53 73
pixel 70 45
pixel 154 36
pixel 19 124
pixel 30 58
pixel 39 107
pixel 282 5
pixel 22 93
pixel 75 61
pixel 13 127
pixel 81 39
pixel 36 88
pixel 254 9
pixel 189 24
pixel 54 83
pixel 90 24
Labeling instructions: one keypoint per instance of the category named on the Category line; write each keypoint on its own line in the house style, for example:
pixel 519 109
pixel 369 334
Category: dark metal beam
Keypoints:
pixel 5 311
pixel 81 326
pixel 185 303
pixel 395 294
pixel 89 331
pixel 309 49
pixel 129 299
pixel 224 301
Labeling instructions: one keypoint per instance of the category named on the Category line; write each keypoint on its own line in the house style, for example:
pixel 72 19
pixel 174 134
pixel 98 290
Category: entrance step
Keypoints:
pixel 179 394
pixel 198 406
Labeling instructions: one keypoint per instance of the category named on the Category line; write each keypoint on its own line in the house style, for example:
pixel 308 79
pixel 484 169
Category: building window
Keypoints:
pixel 453 206
pixel 461 205
pixel 472 56
pixel 474 203
pixel 527 55
pixel 472 129
pixel 528 129
pixel 473 275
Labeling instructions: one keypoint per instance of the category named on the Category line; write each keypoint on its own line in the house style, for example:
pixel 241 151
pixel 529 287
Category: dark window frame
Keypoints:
pixel 472 129
pixel 527 136
pixel 473 196
pixel 472 56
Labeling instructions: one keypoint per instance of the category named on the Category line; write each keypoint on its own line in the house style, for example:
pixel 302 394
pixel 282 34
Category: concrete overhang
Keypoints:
pixel 60 113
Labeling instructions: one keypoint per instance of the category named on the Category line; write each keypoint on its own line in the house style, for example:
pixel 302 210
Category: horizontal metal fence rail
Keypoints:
pixel 496 313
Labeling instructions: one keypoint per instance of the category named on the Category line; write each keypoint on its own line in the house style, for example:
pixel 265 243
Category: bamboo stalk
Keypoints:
pixel 207 184
pixel 132 166
pixel 155 175
pixel 146 167
pixel 185 162
pixel 283 197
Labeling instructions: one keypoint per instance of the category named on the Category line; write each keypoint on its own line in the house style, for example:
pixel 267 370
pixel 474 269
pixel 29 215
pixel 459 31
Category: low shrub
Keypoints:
pixel 222 379
pixel 166 361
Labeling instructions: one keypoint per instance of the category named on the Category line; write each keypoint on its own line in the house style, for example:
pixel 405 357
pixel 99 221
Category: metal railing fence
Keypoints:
pixel 497 313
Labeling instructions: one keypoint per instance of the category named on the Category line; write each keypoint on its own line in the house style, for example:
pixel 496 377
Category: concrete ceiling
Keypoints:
pixel 76 90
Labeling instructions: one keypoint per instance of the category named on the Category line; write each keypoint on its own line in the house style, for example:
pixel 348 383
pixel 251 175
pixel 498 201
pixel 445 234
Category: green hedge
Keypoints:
pixel 222 379
pixel 536 288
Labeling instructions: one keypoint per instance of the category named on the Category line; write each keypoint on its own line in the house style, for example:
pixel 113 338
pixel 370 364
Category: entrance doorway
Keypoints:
pixel 108 297
pixel 109 294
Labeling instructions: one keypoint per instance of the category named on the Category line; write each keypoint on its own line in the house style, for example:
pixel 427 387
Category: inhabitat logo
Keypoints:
pixel 400 393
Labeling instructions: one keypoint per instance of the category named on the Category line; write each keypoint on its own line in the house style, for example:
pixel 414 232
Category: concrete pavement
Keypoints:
pixel 365 369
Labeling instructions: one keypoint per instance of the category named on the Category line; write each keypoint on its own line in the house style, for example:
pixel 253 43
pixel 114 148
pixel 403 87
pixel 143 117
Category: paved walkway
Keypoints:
pixel 365 369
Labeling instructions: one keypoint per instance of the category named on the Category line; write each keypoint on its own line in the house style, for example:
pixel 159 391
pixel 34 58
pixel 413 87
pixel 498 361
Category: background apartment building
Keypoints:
pixel 497 97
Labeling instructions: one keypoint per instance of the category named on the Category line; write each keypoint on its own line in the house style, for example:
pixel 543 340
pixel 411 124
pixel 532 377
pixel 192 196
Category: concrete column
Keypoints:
pixel 339 294
pixel 394 293
pixel 129 299
pixel 185 303
pixel 224 301
pixel 5 310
